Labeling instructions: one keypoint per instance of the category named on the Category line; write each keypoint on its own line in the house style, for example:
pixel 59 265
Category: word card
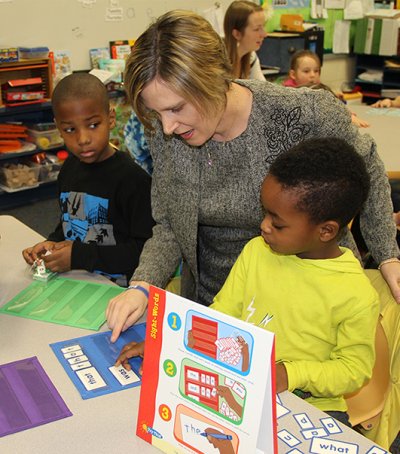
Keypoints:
pixel 306 429
pixel 28 398
pixel 89 362
pixel 208 381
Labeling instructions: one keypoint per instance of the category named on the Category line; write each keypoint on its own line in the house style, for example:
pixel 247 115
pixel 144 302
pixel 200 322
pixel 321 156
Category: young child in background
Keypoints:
pixel 295 280
pixel 104 196
pixel 387 102
pixel 305 71
pixel 244 24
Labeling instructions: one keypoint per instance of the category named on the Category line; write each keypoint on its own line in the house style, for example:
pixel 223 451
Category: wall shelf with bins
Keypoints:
pixel 387 86
pixel 32 112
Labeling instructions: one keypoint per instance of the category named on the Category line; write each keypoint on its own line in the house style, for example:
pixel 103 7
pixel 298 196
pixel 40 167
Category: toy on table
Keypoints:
pixel 40 272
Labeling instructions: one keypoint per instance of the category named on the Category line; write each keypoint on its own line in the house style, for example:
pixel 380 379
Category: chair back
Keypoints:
pixel 366 404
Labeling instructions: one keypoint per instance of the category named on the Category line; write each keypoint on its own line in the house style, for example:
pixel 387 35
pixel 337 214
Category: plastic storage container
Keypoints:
pixel 27 53
pixel 15 176
pixel 48 170
pixel 45 136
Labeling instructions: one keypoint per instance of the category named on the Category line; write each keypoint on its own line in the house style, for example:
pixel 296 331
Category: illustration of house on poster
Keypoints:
pixel 208 381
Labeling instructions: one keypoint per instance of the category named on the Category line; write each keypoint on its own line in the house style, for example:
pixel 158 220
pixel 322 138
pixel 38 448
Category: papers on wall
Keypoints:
pixel 335 4
pixel 384 13
pixel 215 16
pixel 341 37
pixel 318 9
pixel 389 37
pixel 353 10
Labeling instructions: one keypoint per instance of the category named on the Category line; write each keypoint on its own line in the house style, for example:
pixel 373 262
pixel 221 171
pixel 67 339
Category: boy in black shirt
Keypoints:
pixel 104 195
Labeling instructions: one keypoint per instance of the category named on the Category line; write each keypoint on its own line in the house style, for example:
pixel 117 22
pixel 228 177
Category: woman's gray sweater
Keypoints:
pixel 206 200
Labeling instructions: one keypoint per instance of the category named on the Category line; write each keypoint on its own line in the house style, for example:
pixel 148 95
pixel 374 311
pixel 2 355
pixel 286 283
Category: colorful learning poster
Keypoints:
pixel 89 362
pixel 208 381
pixel 64 301
pixel 28 398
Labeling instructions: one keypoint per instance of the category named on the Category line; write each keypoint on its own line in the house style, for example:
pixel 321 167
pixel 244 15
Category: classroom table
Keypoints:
pixel 107 423
pixel 384 128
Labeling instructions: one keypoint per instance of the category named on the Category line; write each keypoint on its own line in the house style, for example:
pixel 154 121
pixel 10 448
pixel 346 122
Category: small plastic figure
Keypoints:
pixel 40 272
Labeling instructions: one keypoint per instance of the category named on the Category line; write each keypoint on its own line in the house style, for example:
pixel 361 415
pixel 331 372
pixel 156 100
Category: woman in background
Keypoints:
pixel 244 24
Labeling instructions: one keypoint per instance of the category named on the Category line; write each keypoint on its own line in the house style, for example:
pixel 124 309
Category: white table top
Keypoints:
pixel 104 424
pixel 385 129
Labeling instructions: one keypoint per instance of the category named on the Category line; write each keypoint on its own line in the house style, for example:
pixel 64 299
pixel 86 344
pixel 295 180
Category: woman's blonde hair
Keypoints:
pixel 236 18
pixel 182 49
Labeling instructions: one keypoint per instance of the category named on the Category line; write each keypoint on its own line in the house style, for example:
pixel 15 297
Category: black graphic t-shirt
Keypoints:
pixel 106 212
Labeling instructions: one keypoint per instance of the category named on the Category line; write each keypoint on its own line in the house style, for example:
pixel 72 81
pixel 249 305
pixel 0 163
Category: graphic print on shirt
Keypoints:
pixel 251 311
pixel 85 218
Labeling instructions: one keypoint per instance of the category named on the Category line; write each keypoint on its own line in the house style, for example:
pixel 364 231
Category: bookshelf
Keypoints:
pixel 387 85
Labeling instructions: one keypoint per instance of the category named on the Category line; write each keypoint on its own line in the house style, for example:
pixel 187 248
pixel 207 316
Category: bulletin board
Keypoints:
pixel 79 25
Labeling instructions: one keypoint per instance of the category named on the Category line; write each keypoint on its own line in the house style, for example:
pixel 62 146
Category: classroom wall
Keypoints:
pixel 336 70
pixel 78 25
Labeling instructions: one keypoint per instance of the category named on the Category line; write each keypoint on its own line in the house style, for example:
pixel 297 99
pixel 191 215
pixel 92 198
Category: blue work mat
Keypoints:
pixel 89 362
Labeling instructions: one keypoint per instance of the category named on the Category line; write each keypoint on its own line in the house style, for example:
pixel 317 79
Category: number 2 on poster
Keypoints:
pixel 169 368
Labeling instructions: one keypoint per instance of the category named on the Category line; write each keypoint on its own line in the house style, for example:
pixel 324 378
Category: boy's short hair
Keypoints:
pixel 329 177
pixel 297 56
pixel 80 86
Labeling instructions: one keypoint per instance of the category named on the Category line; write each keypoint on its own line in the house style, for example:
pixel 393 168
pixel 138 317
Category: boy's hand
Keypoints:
pixel 383 103
pixel 281 378
pixel 30 254
pixel 130 351
pixel 59 260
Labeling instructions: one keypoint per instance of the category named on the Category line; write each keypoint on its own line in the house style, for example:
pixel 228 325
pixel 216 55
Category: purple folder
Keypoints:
pixel 27 397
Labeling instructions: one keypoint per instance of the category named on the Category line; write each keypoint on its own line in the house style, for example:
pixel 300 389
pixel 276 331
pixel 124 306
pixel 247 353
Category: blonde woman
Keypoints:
pixel 212 140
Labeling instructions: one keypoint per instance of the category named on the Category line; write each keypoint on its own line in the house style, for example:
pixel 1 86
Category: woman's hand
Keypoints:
pixel 125 309
pixel 359 122
pixel 391 274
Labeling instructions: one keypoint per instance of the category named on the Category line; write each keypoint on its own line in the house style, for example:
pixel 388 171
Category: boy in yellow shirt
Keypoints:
pixel 296 281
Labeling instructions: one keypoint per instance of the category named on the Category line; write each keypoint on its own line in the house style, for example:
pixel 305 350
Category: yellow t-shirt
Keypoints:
pixel 323 313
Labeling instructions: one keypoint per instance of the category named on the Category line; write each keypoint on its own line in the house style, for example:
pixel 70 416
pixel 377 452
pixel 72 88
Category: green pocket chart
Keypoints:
pixel 64 301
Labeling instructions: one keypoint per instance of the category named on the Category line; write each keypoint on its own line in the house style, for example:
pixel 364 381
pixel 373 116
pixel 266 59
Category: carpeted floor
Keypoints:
pixel 41 216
